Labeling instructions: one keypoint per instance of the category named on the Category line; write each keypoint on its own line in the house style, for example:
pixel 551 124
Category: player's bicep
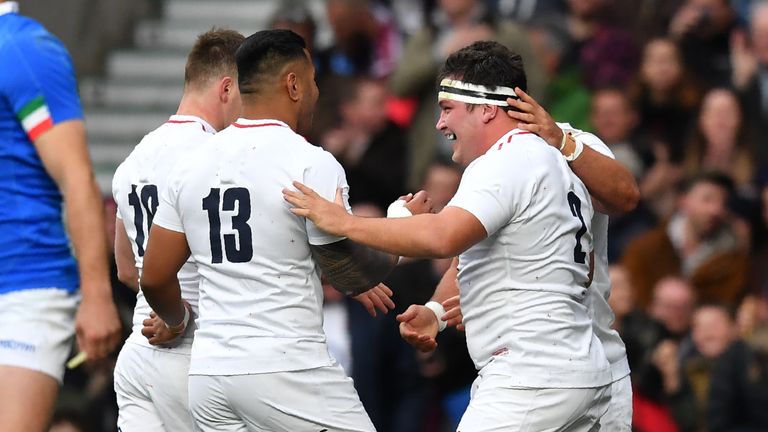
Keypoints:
pixel 166 253
pixel 64 153
pixel 124 258
pixel 459 229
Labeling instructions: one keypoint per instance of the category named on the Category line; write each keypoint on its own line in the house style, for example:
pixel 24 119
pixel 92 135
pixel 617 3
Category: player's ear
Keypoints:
pixel 292 85
pixel 489 112
pixel 227 87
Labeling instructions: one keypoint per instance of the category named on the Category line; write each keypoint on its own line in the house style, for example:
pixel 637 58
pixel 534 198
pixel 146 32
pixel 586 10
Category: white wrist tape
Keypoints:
pixel 577 151
pixel 398 210
pixel 439 311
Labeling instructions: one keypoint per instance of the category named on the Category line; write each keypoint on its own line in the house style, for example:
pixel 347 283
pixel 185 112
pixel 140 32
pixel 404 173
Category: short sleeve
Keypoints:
pixel 492 191
pixel 39 83
pixel 117 179
pixel 324 176
pixel 168 215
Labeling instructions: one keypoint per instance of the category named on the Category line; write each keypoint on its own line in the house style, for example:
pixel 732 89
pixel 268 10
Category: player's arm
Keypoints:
pixel 352 268
pixel 64 154
pixel 441 235
pixel 127 272
pixel 608 181
pixel 166 253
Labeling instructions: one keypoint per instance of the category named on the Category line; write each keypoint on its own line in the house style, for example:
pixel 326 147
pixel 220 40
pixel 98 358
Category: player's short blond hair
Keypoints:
pixel 212 56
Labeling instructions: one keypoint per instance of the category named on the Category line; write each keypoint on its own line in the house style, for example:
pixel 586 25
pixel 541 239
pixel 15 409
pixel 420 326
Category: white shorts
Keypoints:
pixel 36 329
pixel 618 418
pixel 314 400
pixel 151 389
pixel 496 407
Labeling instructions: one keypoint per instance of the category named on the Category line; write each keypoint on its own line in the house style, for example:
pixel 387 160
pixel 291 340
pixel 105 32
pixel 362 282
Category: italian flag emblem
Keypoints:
pixel 35 118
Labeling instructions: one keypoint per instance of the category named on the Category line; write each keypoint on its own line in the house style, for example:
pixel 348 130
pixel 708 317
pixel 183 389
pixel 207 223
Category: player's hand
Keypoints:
pixel 328 216
pixel 378 297
pixel 418 326
pixel 419 203
pixel 97 327
pixel 534 118
pixel 453 315
pixel 157 333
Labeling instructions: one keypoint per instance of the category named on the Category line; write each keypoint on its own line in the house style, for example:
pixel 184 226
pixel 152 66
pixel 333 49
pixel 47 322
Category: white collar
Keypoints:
pixel 179 118
pixel 9 7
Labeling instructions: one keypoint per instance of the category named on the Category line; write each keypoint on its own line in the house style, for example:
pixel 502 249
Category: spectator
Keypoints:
pixel 703 29
pixel 366 40
pixel 738 391
pixel 659 378
pixel 606 53
pixel 713 330
pixel 294 15
pixel 566 95
pixel 639 332
pixel 700 242
pixel 448 369
pixel 673 303
pixel 666 97
pixel 750 75
pixel 614 119
pixel 369 146
pixel 720 142
pixel 455 24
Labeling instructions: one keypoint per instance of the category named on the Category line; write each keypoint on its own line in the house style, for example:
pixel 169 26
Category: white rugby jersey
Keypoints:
pixel 597 302
pixel 260 293
pixel 523 290
pixel 136 187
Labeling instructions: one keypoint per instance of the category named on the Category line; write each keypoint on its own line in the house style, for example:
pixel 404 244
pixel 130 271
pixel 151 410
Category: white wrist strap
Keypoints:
pixel 439 311
pixel 180 327
pixel 398 210
pixel 577 151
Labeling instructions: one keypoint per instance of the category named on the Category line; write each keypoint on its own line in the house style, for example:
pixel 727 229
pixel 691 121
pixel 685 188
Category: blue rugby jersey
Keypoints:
pixel 38 89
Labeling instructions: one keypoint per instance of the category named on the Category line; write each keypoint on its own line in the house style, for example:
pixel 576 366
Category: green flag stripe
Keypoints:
pixel 31 107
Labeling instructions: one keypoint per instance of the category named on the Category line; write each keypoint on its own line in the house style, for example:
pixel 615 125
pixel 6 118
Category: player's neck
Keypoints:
pixel 265 110
pixel 497 128
pixel 192 105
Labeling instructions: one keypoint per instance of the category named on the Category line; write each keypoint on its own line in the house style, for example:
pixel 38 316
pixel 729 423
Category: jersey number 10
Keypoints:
pixel 242 198
pixel 146 199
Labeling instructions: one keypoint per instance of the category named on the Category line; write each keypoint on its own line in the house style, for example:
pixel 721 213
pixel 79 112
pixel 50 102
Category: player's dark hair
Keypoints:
pixel 486 63
pixel 263 55
pixel 212 56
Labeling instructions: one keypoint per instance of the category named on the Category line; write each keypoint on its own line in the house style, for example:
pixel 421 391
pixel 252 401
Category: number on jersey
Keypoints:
pixel 143 203
pixel 574 203
pixel 242 198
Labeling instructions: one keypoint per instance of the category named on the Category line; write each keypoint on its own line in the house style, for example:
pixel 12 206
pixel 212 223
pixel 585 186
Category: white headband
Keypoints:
pixel 474 93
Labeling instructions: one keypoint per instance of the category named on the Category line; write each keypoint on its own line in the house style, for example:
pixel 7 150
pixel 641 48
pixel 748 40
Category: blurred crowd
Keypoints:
pixel 678 89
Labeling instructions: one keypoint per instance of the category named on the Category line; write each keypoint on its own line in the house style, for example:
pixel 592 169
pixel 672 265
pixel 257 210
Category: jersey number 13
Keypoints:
pixel 238 202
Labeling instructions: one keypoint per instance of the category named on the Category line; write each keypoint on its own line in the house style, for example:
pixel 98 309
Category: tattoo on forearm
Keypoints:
pixel 352 268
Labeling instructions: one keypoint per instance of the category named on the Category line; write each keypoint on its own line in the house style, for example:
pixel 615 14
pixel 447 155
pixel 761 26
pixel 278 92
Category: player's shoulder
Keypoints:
pixel 523 150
